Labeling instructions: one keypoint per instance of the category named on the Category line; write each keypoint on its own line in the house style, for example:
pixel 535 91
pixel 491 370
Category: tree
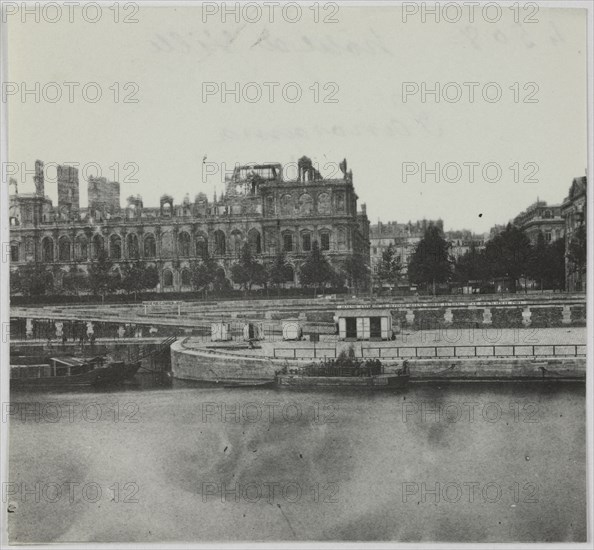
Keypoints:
pixel 247 271
pixel 102 278
pixel 508 255
pixel 32 280
pixel 430 262
pixel 75 281
pixel 204 273
pixel 356 271
pixel 132 278
pixel 389 268
pixel 338 277
pixel 537 260
pixel 555 270
pixel 149 277
pixel 316 270
pixel 471 266
pixel 137 277
pixel 279 271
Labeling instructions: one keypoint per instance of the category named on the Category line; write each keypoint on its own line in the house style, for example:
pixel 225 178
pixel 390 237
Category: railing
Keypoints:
pixel 311 352
pixel 461 352
pixel 440 352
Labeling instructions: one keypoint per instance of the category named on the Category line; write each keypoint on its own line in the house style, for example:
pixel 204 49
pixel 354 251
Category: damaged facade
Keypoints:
pixel 258 207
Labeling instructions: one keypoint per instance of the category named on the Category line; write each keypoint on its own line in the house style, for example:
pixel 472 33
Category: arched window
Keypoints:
pixel 306 241
pixel 183 244
pixel 324 206
pixel 201 246
pixel 81 246
pixel 14 252
pixel 98 245
pixel 64 249
pixel 150 246
pixel 305 204
pixel 167 278
pixel 186 277
pixel 133 249
pixel 236 241
pixel 325 240
pixel 47 250
pixel 288 242
pixel 255 241
pixel 219 243
pixel 115 247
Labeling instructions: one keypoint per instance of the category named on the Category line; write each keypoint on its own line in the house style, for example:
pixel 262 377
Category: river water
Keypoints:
pixel 461 462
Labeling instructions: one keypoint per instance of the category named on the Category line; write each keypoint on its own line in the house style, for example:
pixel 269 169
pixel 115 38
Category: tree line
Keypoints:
pixel 103 278
pixel 510 256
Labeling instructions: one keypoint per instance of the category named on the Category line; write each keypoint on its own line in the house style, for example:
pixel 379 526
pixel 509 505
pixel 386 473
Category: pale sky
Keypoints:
pixel 363 59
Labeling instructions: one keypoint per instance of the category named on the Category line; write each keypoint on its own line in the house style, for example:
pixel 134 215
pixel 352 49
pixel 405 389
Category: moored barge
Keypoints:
pixel 67 372
pixel 343 373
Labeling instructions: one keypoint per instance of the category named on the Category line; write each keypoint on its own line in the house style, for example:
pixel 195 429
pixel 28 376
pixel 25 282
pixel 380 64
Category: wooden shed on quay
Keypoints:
pixel 364 324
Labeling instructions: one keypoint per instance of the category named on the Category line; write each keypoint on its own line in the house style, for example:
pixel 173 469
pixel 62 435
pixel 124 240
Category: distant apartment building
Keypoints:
pixel 462 242
pixel 573 211
pixel 402 236
pixel 541 218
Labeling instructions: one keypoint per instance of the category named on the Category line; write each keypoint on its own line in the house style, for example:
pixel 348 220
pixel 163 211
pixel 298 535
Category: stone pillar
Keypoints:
pixel 448 316
pixel 566 312
pixel 487 316
pixel 410 316
pixel 158 242
pixel 124 237
pixel 526 316
pixel 56 238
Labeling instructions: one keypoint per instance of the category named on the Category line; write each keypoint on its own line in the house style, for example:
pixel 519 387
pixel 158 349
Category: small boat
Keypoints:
pixel 343 373
pixel 64 372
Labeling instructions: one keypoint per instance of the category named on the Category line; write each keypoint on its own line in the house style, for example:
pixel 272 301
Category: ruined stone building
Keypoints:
pixel 258 207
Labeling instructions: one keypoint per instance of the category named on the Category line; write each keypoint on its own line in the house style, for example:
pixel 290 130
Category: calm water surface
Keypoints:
pixel 468 462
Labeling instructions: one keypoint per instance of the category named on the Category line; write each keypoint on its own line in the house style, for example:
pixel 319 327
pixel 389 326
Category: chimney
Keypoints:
pixel 39 178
